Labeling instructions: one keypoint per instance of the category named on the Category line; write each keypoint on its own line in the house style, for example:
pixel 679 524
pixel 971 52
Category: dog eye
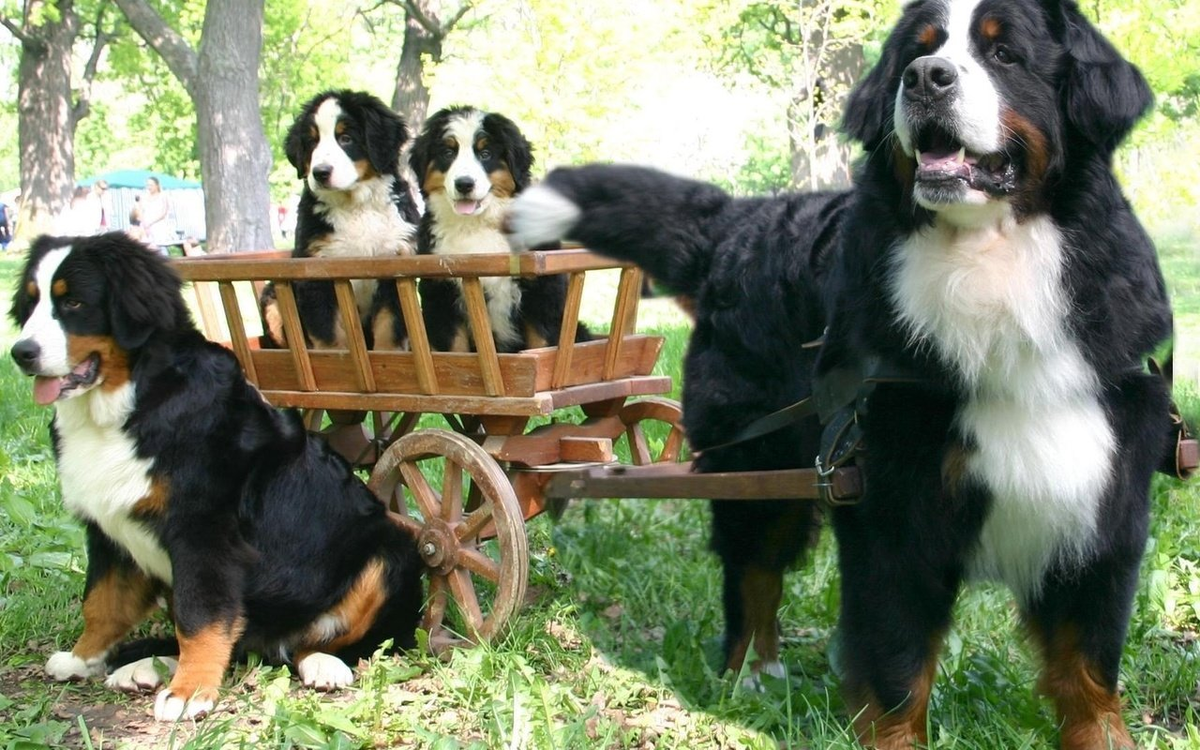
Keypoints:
pixel 1004 55
pixel 485 154
pixel 71 304
pixel 344 140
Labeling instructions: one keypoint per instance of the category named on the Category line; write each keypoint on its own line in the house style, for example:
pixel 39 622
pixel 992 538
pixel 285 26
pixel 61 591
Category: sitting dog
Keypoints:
pixel 192 486
pixel 345 146
pixel 470 164
pixel 987 273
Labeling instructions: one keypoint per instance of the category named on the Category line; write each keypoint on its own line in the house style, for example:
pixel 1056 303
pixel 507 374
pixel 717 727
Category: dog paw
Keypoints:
pixel 324 672
pixel 170 707
pixel 754 683
pixel 64 666
pixel 141 676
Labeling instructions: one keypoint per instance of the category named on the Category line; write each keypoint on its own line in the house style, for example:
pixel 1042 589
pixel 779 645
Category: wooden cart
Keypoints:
pixel 470 486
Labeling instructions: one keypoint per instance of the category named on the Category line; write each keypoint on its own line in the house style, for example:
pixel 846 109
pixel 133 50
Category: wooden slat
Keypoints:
pixel 566 337
pixel 481 331
pixel 537 405
pixel 237 329
pixel 634 386
pixel 272 266
pixel 209 320
pixel 628 290
pixel 295 335
pixel 637 357
pixel 395 372
pixel 418 337
pixel 355 342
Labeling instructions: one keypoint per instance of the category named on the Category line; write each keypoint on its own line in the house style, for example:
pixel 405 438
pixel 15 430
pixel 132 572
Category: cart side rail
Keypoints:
pixel 301 373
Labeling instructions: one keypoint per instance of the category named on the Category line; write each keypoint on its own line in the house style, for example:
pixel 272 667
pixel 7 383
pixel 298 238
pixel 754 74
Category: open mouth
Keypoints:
pixel 941 158
pixel 47 390
pixel 467 207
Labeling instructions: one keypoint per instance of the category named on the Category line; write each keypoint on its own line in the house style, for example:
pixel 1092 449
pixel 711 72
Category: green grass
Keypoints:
pixel 617 647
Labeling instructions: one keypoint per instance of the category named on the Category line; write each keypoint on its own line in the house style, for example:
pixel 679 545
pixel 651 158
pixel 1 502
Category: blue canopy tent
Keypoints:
pixel 185 196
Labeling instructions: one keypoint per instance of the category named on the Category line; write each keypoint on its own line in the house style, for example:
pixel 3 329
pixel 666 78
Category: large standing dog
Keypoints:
pixel 345 146
pixel 191 485
pixel 470 164
pixel 987 252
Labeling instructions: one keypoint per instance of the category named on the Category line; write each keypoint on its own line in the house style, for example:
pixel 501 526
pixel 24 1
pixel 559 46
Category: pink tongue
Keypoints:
pixel 466 208
pixel 944 162
pixel 46 390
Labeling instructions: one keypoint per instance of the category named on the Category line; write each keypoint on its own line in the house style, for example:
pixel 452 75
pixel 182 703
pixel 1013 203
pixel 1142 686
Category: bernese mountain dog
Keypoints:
pixel 987 275
pixel 192 487
pixel 345 146
pixel 470 164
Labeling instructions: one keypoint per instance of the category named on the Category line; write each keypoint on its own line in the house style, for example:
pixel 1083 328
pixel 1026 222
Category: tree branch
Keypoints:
pixel 83 105
pixel 18 32
pixel 175 51
pixel 427 22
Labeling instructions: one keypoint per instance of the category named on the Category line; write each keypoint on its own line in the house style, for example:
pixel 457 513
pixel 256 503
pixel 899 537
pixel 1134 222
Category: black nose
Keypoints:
pixel 929 78
pixel 322 172
pixel 464 185
pixel 26 353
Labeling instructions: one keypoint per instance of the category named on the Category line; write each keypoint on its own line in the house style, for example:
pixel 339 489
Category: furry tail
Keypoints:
pixel 661 222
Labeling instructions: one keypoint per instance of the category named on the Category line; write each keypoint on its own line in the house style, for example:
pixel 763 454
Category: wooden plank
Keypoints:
pixel 393 373
pixel 634 386
pixel 295 336
pixel 628 289
pixel 418 337
pixel 637 357
pixel 237 329
pixel 210 322
pixel 538 405
pixel 281 267
pixel 355 341
pixel 481 331
pixel 679 481
pixel 566 337
pixel 588 449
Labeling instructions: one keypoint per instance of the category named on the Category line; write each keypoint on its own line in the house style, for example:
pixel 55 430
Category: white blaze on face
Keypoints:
pixel 975 108
pixel 42 328
pixel 328 153
pixel 463 130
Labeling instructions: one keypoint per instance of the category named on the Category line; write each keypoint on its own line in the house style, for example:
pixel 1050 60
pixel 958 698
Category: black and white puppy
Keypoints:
pixel 986 251
pixel 345 146
pixel 192 487
pixel 470 164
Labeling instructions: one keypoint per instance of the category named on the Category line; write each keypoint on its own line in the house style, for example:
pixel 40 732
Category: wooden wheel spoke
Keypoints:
pixel 638 449
pixel 408 523
pixel 426 497
pixel 435 612
pixel 474 496
pixel 464 594
pixel 672 446
pixel 474 523
pixel 478 563
pixel 452 492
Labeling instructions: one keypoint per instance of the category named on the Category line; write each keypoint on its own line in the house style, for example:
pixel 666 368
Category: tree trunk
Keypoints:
pixel 411 97
pixel 234 156
pixel 45 127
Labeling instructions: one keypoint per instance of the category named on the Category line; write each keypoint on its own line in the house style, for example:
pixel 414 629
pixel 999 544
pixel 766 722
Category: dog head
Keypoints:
pixel 987 99
pixel 464 158
pixel 86 306
pixel 342 138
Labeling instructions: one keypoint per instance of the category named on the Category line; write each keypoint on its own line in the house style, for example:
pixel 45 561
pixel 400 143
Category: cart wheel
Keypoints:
pixel 636 414
pixel 461 566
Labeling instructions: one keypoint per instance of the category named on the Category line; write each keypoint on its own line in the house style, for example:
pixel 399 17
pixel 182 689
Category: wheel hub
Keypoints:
pixel 438 547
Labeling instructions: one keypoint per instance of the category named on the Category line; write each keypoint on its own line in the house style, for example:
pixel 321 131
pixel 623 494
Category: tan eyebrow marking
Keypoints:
pixel 59 288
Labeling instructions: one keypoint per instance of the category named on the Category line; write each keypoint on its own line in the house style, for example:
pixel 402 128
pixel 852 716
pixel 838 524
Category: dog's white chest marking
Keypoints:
pixel 462 235
pixel 990 302
pixel 101 475
pixel 365 224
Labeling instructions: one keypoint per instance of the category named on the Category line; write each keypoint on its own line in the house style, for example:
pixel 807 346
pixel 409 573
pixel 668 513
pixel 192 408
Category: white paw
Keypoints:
pixel 142 675
pixel 540 215
pixel 324 672
pixel 64 666
pixel 169 707
pixel 754 683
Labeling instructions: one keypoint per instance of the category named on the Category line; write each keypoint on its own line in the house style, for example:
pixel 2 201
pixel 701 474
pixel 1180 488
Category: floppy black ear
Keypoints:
pixel 144 296
pixel 295 144
pixel 385 133
pixel 418 157
pixel 870 108
pixel 1105 94
pixel 520 151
